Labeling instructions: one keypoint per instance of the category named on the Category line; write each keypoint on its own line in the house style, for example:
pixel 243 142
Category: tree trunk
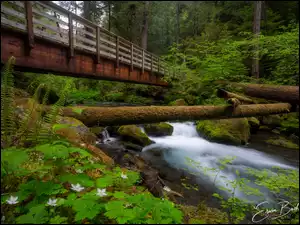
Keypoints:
pixel 145 26
pixel 227 95
pixel 106 116
pixel 87 9
pixel 283 93
pixel 177 22
pixel 109 16
pixel 256 31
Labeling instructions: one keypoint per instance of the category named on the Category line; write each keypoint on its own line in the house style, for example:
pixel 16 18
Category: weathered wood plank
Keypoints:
pixel 29 17
pixel 44 14
pixel 71 36
pixel 12 12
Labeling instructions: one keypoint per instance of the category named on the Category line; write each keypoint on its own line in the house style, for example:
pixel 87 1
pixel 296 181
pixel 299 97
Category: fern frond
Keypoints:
pixel 8 126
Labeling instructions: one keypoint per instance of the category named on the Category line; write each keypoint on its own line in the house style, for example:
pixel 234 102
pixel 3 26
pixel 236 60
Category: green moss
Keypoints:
pixel 178 102
pixel 134 134
pixel 253 122
pixel 203 215
pixel 97 130
pixel 290 124
pixel 59 126
pixel 265 128
pixel 159 129
pixel 283 142
pixel 77 110
pixel 229 131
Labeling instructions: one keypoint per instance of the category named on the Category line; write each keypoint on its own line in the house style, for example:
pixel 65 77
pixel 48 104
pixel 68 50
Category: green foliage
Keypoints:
pixel 8 126
pixel 62 166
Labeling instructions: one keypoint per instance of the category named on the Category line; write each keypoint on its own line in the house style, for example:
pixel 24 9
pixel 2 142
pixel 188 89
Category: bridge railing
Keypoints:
pixel 49 21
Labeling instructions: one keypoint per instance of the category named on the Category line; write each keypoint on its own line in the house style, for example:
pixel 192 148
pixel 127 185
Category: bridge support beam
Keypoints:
pixel 104 116
pixel 282 93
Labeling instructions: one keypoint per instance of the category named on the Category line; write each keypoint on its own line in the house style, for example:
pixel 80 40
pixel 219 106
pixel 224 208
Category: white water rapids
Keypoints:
pixel 185 142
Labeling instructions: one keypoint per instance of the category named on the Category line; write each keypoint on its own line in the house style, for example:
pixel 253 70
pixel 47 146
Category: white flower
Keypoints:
pixel 124 176
pixel 76 187
pixel 12 200
pixel 82 144
pixel 54 157
pixel 128 205
pixel 101 192
pixel 52 202
pixel 167 189
pixel 79 171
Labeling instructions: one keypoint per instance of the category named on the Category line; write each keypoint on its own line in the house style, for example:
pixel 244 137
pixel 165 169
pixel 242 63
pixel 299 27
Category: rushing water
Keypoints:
pixel 185 142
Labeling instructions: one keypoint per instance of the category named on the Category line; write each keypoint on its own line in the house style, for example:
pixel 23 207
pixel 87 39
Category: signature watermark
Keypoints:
pixel 273 214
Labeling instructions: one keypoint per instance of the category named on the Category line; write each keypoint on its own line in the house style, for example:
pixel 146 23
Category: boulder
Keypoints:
pixel 134 134
pixel 74 129
pixel 283 142
pixel 271 121
pixel 158 129
pixel 228 131
pixel 178 102
pixel 254 124
pixel 97 131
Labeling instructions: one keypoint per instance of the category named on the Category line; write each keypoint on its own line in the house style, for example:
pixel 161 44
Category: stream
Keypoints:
pixel 186 143
pixel 169 156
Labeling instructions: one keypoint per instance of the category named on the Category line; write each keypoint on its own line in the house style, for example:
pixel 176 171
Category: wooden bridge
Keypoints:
pixel 46 38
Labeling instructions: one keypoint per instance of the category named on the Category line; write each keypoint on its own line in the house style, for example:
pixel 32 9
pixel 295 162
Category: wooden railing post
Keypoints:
pixel 71 36
pixel 98 44
pixel 131 57
pixel 29 19
pixel 143 56
pixel 117 51
pixel 151 64
pixel 158 67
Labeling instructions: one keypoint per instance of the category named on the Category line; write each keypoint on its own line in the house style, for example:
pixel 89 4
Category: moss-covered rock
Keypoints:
pixel 254 124
pixel 228 131
pixel 290 124
pixel 74 129
pixel 134 134
pixel 283 142
pixel 97 131
pixel 178 102
pixel 271 120
pixel 158 129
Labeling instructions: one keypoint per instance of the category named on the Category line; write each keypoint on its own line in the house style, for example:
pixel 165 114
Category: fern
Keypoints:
pixel 51 117
pixel 8 126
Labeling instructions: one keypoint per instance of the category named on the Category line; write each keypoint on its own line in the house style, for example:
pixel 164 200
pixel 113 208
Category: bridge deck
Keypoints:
pixel 45 37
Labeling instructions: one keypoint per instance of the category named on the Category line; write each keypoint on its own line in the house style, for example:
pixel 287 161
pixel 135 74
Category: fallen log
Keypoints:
pixel 109 116
pixel 221 93
pixel 283 93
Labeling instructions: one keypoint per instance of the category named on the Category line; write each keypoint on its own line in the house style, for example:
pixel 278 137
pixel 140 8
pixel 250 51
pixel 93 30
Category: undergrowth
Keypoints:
pixel 58 183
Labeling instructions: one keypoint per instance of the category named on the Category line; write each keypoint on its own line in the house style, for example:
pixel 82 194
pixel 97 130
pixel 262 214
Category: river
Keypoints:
pixel 186 143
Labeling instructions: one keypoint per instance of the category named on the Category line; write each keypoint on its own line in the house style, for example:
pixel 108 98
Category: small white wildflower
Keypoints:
pixel 12 200
pixel 98 142
pixel 101 192
pixel 76 187
pixel 54 157
pixel 128 205
pixel 124 176
pixel 79 171
pixel 82 144
pixel 167 189
pixel 162 199
pixel 52 202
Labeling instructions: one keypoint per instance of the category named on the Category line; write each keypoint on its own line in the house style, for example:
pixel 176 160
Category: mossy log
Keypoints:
pixel 283 93
pixel 227 95
pixel 106 116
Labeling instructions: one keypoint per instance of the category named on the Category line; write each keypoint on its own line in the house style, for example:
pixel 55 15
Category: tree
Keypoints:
pixel 144 35
pixel 256 31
